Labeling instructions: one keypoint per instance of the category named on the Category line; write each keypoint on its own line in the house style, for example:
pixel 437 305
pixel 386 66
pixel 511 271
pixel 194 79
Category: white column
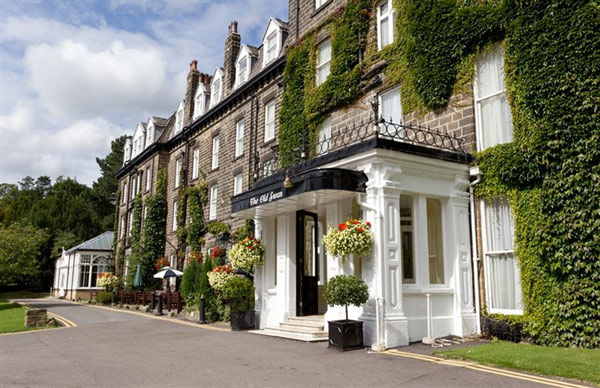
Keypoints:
pixel 383 195
pixel 465 318
pixel 286 265
pixel 262 232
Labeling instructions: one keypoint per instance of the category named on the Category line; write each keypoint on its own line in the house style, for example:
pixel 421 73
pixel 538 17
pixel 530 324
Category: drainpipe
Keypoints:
pixel 379 300
pixel 474 171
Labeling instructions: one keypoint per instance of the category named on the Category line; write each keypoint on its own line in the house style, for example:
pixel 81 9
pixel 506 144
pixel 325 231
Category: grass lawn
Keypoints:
pixel 12 318
pixel 5 296
pixel 579 364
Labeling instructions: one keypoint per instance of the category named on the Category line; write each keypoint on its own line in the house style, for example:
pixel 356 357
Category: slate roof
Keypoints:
pixel 102 242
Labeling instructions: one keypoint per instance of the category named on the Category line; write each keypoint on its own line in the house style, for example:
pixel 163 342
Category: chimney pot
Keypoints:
pixel 233 27
pixel 194 65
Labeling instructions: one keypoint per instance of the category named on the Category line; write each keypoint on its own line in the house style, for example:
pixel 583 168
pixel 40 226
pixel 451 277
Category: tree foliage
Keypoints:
pixel 21 250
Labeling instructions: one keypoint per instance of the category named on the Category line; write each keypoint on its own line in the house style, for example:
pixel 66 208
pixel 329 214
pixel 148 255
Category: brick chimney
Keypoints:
pixel 232 48
pixel 190 91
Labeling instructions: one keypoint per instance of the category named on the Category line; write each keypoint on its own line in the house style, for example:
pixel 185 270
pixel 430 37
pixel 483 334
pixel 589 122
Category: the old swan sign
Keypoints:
pixel 266 198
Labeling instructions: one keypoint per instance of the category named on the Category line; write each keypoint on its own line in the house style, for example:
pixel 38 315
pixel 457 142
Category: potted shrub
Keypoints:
pixel 353 237
pixel 343 290
pixel 239 291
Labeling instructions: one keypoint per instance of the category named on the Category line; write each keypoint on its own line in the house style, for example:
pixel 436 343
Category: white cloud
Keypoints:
pixel 31 148
pixel 72 80
pixel 74 76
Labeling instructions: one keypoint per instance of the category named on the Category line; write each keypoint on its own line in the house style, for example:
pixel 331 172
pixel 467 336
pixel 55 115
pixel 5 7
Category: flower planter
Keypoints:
pixel 242 320
pixel 346 335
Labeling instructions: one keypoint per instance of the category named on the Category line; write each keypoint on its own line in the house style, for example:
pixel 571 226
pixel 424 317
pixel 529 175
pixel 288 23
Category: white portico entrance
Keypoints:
pixel 418 207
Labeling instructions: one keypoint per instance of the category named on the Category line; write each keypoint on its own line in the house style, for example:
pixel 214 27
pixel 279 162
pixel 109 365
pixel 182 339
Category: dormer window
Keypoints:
pixel 242 70
pixel 272 41
pixel 149 133
pixel 216 88
pixel 179 118
pixel 200 101
pixel 271 51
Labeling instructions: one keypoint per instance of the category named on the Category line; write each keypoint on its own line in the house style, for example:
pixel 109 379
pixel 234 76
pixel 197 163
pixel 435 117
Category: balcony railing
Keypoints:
pixel 394 135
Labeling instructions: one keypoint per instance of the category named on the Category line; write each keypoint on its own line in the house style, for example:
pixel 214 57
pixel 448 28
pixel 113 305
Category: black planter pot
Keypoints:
pixel 242 320
pixel 346 335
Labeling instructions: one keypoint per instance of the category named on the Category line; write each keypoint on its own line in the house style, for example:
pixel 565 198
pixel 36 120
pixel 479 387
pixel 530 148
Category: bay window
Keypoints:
pixel 434 241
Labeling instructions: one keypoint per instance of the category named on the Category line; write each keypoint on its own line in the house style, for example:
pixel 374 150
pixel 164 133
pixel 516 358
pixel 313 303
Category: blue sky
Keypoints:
pixel 76 74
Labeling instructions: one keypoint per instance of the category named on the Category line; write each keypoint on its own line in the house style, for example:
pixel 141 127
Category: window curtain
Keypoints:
pixel 503 276
pixel 495 118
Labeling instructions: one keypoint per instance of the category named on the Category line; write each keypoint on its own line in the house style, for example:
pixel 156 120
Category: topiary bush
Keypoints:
pixel 344 290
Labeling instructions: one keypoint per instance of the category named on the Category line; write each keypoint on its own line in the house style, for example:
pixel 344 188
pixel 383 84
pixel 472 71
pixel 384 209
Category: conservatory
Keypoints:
pixel 77 269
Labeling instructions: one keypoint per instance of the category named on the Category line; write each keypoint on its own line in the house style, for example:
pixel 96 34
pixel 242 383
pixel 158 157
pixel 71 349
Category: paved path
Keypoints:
pixel 118 349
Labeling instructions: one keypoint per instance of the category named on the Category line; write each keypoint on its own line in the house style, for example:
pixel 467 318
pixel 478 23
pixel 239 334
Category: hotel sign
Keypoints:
pixel 266 198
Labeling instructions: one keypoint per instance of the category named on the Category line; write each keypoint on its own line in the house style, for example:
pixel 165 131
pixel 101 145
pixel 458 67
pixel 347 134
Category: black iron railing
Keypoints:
pixel 326 143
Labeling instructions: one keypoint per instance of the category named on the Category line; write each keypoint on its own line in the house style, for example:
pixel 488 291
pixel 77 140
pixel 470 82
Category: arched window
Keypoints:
pixel 90 266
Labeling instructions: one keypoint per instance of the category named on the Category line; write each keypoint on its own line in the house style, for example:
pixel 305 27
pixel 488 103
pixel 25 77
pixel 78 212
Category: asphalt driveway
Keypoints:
pixel 116 349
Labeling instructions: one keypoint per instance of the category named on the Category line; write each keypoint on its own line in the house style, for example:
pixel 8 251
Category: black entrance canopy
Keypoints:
pixel 308 189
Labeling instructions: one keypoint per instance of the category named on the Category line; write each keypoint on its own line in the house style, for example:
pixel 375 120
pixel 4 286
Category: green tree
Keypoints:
pixel 20 249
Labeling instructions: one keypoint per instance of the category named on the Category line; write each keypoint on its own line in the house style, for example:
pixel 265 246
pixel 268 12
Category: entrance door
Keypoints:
pixel 307 265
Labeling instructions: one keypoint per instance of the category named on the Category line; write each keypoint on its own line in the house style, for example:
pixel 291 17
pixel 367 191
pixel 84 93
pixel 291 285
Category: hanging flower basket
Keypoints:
pixel 247 253
pixel 219 277
pixel 353 237
pixel 108 281
pixel 162 262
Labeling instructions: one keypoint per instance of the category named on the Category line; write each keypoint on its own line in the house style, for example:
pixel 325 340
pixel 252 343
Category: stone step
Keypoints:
pixel 307 324
pixel 293 335
pixel 295 326
pixel 309 318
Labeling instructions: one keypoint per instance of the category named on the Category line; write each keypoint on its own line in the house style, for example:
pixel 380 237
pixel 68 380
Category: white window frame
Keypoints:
pixel 214 197
pixel 271 47
pixel 174 227
pixel 239 138
pixel 270 122
pixel 238 183
pixel 323 65
pixel 241 75
pixel 480 99
pixel 269 167
pixel 101 264
pixel 324 137
pixel 179 119
pixel 390 15
pixel 215 152
pixel 381 97
pixel 125 192
pixel 216 93
pixel 148 178
pixel 320 3
pixel 199 103
pixel 177 173
pixel 487 265
pixel 196 163
pixel 130 224
pixel 123 223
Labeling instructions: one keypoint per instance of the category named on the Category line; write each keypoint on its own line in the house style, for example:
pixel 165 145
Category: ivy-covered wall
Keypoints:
pixel 550 172
pixel 304 104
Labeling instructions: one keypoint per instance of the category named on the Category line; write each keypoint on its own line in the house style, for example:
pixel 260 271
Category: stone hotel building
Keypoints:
pixel 409 174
